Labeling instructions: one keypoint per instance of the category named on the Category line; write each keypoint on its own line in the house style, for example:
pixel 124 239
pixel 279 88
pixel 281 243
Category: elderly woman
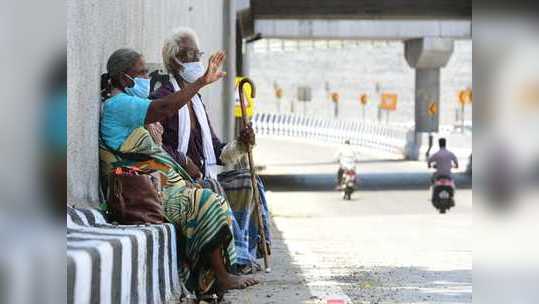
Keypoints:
pixel 202 217
pixel 190 139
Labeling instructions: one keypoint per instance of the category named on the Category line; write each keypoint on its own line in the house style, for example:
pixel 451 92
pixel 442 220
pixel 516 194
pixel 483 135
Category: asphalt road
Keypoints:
pixel 382 247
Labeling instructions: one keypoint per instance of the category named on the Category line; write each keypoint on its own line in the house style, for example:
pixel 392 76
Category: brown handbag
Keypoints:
pixel 135 199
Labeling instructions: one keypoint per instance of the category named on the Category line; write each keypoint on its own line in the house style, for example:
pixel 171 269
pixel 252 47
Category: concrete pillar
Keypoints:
pixel 413 144
pixel 427 94
pixel 229 43
pixel 248 50
pixel 239 50
pixel 427 55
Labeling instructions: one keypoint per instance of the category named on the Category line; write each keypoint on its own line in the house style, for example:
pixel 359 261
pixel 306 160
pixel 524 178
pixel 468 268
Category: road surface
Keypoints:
pixel 381 247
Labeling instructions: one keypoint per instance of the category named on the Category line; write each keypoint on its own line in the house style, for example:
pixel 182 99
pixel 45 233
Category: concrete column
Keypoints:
pixel 248 50
pixel 427 55
pixel 239 50
pixel 427 94
pixel 413 144
pixel 229 44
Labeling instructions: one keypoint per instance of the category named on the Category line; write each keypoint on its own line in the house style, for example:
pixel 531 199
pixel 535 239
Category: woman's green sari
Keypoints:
pixel 203 218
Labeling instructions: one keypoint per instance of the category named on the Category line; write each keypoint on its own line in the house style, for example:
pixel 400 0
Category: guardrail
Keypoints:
pixel 387 137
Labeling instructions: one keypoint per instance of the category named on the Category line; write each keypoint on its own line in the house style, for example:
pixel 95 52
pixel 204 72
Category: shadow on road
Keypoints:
pixel 406 285
pixel 285 284
pixel 367 181
pixel 318 163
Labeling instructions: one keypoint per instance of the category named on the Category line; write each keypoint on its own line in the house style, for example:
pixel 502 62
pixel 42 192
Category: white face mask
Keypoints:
pixel 191 70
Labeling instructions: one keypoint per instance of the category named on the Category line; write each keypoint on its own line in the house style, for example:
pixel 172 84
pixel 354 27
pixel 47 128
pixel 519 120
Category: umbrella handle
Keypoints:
pixel 242 83
pixel 256 195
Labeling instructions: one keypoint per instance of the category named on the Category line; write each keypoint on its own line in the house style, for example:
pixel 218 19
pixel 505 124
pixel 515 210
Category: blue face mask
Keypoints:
pixel 140 89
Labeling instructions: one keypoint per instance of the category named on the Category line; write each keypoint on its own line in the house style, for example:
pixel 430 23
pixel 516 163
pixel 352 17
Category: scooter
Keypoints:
pixel 443 193
pixel 348 182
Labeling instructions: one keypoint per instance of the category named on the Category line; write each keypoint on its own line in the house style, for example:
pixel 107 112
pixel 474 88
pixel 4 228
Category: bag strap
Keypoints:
pixel 129 155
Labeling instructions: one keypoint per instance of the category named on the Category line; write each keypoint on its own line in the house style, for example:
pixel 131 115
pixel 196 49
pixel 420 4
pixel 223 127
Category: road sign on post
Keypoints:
pixel 388 103
pixel 278 95
pixel 335 99
pixel 363 99
pixel 464 98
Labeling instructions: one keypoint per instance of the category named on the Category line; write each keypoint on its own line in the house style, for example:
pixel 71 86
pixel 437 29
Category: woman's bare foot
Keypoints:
pixel 225 279
pixel 231 281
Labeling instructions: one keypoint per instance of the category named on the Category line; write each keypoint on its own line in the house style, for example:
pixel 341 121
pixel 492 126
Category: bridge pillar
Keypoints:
pixel 427 55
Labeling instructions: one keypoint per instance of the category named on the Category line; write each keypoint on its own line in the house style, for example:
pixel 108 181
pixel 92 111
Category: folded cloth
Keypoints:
pixel 238 188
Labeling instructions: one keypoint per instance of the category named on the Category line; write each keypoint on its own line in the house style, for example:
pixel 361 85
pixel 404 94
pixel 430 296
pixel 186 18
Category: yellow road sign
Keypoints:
pixel 364 99
pixel 432 109
pixel 279 93
pixel 465 97
pixel 335 97
pixel 388 101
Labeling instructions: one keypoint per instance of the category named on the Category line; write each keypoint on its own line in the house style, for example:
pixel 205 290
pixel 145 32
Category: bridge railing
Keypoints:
pixel 387 137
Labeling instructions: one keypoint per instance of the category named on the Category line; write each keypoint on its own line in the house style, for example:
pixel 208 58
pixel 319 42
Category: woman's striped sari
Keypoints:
pixel 203 217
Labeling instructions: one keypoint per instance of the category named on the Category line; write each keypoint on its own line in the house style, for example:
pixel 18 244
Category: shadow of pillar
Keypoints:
pixel 285 284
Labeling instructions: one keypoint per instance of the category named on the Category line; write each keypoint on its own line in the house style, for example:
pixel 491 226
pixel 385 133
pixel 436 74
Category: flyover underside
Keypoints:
pixel 363 9
pixel 363 29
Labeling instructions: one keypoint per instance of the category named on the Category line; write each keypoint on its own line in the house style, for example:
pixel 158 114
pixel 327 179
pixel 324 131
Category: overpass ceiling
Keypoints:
pixel 361 9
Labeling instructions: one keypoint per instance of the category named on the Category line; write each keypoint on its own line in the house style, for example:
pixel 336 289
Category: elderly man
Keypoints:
pixel 189 137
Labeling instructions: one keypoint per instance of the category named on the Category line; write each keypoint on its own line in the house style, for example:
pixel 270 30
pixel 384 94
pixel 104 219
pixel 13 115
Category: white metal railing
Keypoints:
pixel 386 137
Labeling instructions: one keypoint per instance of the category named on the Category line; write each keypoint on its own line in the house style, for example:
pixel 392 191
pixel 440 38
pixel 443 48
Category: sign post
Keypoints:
pixel 363 99
pixel 335 99
pixel 278 95
pixel 464 98
pixel 388 103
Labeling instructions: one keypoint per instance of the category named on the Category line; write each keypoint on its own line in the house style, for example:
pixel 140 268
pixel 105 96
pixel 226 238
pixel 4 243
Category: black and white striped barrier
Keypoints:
pixel 118 263
pixel 388 137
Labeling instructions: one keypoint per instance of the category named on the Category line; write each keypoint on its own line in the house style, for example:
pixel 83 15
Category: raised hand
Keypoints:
pixel 213 72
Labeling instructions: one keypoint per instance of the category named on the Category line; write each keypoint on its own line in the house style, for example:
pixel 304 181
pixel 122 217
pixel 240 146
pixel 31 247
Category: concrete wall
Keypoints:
pixel 95 28
pixel 352 68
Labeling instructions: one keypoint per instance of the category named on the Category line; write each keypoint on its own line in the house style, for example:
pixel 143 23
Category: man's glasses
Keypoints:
pixel 190 55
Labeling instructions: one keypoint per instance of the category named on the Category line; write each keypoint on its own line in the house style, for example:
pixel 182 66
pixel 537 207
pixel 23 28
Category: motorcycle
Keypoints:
pixel 348 182
pixel 443 193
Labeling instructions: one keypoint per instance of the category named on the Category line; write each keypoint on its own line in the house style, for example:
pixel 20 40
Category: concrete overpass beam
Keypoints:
pixel 357 29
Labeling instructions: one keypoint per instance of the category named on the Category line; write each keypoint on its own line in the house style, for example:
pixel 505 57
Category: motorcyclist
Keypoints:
pixel 444 160
pixel 347 158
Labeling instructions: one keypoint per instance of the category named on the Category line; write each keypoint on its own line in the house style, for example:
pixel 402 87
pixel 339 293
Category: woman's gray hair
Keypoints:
pixel 178 40
pixel 120 61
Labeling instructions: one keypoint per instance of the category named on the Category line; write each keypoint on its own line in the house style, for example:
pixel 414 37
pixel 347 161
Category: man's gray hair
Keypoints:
pixel 120 61
pixel 177 41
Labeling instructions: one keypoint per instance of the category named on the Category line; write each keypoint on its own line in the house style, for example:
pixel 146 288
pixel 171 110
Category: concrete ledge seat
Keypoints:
pixel 119 263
